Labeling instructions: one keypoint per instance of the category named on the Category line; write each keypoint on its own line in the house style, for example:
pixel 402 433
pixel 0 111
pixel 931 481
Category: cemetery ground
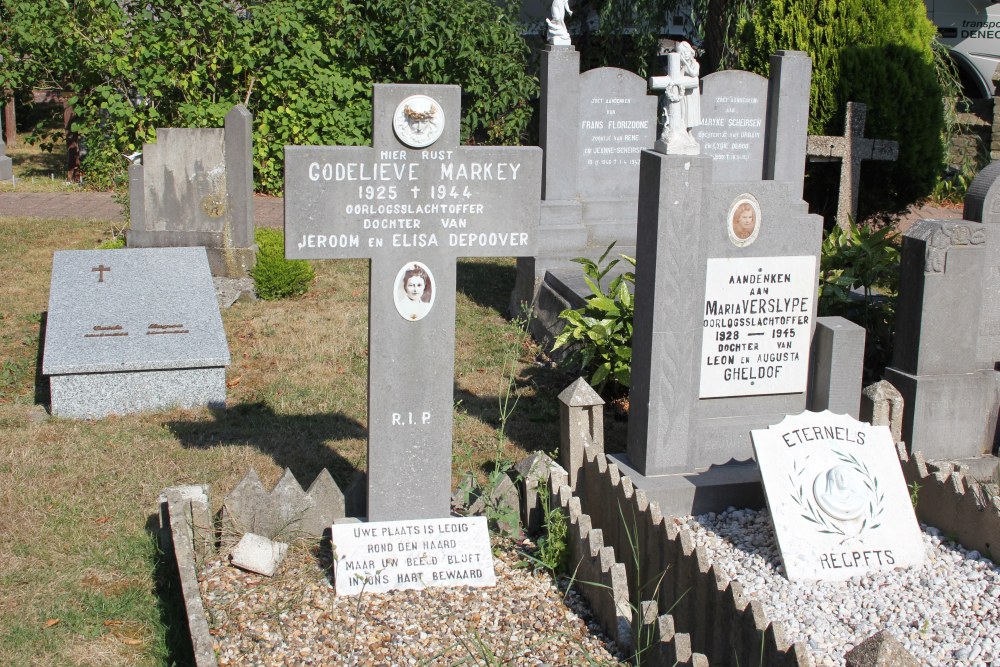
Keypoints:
pixel 81 578
pixel 37 170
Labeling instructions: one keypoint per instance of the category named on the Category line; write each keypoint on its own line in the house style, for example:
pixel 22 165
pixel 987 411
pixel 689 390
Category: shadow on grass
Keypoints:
pixel 296 442
pixel 42 394
pixel 487 284
pixel 173 613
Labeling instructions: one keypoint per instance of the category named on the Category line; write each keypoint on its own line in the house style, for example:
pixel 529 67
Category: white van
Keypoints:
pixel 971 30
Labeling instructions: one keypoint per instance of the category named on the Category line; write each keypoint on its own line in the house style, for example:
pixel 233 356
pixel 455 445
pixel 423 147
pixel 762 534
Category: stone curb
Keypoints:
pixel 179 535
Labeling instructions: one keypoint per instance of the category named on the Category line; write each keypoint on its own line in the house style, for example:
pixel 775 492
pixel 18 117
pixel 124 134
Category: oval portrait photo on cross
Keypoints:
pixel 743 221
pixel 413 291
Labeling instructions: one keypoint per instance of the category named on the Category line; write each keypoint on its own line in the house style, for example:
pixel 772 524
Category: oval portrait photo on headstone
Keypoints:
pixel 744 220
pixel 418 121
pixel 413 291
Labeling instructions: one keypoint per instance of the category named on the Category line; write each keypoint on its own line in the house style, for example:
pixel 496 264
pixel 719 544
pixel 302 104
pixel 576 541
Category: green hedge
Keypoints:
pixel 873 51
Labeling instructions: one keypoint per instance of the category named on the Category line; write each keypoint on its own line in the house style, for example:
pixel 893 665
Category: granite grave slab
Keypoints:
pixel 133 330
pixel 413 203
pixel 837 497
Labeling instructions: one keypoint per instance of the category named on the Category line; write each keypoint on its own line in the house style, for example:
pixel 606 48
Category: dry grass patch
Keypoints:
pixel 81 581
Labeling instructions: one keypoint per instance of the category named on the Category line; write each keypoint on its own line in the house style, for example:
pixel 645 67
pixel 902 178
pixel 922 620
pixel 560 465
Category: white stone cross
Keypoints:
pixel 413 203
pixel 678 109
pixel 851 149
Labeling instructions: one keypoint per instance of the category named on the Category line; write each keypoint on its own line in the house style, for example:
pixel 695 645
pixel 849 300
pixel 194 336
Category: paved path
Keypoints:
pixel 268 211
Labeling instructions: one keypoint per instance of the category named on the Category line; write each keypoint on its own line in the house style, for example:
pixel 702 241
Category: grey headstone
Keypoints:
pixel 195 187
pixel 943 356
pixel 132 330
pixel 674 425
pixel 733 121
pixel 838 351
pixel 617 121
pixel 787 118
pixel 725 314
pixel 593 126
pixel 405 206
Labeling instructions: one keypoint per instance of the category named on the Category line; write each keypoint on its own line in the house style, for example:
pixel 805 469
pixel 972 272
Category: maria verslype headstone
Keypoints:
pixel 413 203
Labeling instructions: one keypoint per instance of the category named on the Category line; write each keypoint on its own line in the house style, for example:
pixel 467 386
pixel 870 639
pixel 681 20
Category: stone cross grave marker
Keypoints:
pixel 413 203
pixel 132 330
pixel 851 149
pixel 837 497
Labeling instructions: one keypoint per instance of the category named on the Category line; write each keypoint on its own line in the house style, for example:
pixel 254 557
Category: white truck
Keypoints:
pixel 971 30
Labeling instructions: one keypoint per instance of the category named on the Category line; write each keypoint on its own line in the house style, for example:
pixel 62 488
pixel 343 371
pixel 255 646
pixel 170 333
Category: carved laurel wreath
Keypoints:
pixel 825 523
pixel 415 115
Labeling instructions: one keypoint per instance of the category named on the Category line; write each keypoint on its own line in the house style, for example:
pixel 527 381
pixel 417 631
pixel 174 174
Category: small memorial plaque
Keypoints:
pixel 758 319
pixel 837 497
pixel 394 555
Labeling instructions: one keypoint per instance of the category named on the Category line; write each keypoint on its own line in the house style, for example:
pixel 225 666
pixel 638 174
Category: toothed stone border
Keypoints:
pixel 947 498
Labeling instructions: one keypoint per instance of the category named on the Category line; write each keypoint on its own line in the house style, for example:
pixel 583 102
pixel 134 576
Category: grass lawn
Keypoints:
pixel 81 581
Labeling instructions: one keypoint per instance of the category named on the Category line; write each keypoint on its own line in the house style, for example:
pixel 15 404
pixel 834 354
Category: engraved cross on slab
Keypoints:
pixel 413 203
pixel 101 269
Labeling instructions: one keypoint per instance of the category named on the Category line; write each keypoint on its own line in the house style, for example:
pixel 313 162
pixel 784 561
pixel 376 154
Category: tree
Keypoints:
pixel 873 51
pixel 304 68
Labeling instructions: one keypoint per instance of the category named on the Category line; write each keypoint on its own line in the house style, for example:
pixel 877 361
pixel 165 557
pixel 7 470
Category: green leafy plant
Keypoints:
pixel 274 276
pixel 878 53
pixel 304 68
pixel 914 493
pixel 864 258
pixel 552 552
pixel 600 333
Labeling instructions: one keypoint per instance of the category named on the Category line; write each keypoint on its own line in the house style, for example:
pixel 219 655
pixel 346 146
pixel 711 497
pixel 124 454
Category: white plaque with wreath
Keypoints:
pixel 837 496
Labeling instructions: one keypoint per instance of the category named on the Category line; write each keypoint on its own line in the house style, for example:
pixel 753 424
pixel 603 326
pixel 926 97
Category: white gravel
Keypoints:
pixel 946 612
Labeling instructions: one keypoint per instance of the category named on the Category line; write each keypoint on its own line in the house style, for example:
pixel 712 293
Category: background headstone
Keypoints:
pixel 593 127
pixel 195 188
pixel 733 122
pixel 837 497
pixel 946 338
pixel 132 330
pixel 415 200
pixel 754 111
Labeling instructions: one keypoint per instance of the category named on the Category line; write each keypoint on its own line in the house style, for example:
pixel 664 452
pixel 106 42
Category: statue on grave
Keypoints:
pixel 681 102
pixel 558 34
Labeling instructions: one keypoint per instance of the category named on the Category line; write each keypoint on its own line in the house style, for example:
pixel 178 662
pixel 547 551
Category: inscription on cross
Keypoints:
pixel 412 203
pixel 851 149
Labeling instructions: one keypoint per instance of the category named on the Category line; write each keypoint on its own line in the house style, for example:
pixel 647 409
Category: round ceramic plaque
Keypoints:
pixel 418 121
